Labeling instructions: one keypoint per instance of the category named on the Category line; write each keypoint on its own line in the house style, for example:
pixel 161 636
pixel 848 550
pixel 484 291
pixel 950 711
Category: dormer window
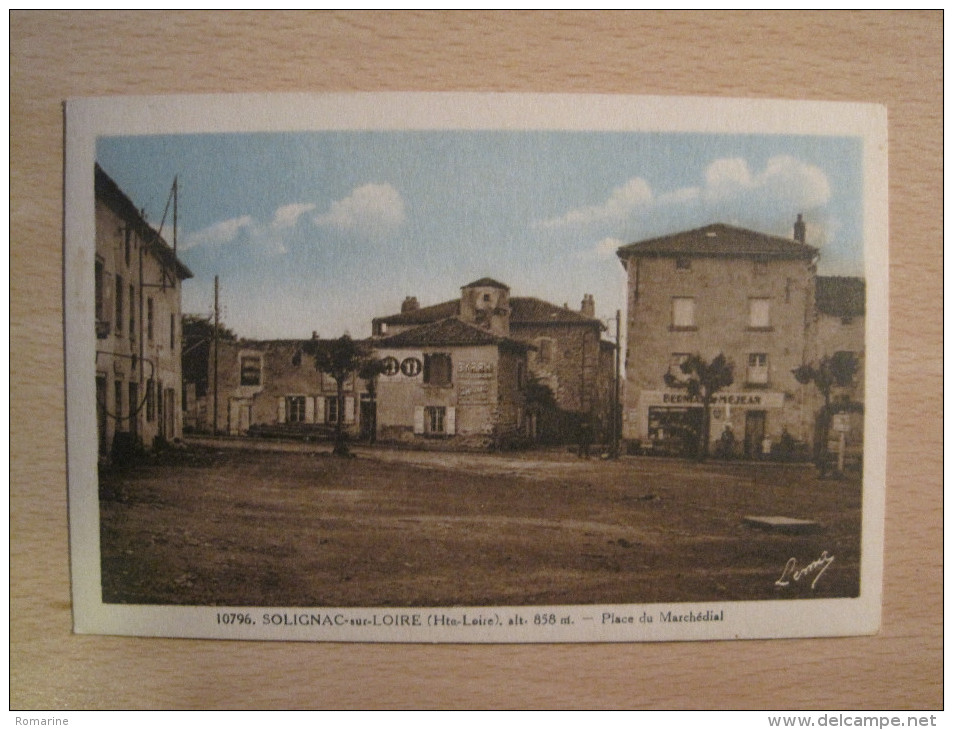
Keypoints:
pixel 683 263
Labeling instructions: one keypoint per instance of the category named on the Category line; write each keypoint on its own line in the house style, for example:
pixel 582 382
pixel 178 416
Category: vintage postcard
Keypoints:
pixel 475 367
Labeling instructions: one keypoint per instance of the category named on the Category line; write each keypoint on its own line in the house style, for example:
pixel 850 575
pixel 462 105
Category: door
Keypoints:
pixel 754 433
pixel 134 411
pixel 101 413
pixel 368 418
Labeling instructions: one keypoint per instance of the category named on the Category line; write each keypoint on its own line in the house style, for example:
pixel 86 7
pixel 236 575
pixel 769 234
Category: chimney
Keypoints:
pixel 588 308
pixel 314 335
pixel 410 305
pixel 800 230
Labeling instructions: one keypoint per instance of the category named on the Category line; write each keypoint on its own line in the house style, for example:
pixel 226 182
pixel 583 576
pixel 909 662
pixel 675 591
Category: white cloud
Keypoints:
pixel 624 201
pixel 287 215
pixel 372 210
pixel 219 233
pixel 728 191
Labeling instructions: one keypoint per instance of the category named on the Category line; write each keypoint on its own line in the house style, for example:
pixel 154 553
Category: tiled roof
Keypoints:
pixel 530 310
pixel 720 240
pixel 447 332
pixel 523 310
pixel 841 296
pixel 423 315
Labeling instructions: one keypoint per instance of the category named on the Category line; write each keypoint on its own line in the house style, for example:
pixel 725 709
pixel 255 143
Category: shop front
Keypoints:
pixel 670 422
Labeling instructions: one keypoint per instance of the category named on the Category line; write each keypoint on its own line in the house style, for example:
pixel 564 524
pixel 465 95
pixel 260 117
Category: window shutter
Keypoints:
pixel 319 409
pixel 281 410
pixel 349 409
pixel 450 423
pixel 418 419
pixel 309 410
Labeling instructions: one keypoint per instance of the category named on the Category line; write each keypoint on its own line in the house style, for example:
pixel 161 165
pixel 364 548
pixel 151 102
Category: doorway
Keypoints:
pixel 754 433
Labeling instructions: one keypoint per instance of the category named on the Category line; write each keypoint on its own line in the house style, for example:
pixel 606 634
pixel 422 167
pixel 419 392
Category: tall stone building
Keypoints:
pixel 716 290
pixel 567 353
pixel 138 289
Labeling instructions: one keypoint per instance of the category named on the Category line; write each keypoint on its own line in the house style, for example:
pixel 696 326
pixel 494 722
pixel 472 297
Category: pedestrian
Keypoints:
pixel 585 437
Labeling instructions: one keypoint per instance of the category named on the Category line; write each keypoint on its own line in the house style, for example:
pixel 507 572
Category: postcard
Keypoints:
pixel 493 368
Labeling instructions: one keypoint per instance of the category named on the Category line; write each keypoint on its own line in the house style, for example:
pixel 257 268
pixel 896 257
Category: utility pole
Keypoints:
pixel 616 410
pixel 215 366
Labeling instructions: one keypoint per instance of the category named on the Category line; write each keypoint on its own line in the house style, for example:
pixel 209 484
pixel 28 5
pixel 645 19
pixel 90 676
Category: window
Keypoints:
pixel 683 263
pixel 438 369
pixel 759 313
pixel 119 305
pixel 150 317
pixel 294 409
pixel 132 311
pixel 758 368
pixel 117 407
pixel 435 418
pixel 100 291
pixel 544 355
pixel 172 331
pixel 128 244
pixel 683 313
pixel 331 409
pixel 251 370
pixel 150 400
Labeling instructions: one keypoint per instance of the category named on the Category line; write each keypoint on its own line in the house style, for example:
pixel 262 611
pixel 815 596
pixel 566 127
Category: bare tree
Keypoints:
pixel 837 370
pixel 340 358
pixel 702 380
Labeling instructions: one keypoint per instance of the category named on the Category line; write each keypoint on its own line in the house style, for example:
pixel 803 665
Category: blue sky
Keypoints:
pixel 321 231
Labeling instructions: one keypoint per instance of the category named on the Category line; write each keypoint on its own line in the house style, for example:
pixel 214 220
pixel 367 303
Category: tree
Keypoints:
pixel 340 359
pixel 837 370
pixel 703 380
pixel 198 333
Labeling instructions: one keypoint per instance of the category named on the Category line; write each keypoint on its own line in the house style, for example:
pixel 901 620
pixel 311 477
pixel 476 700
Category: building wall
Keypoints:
pixel 283 392
pixel 567 358
pixel 138 333
pixel 722 290
pixel 481 401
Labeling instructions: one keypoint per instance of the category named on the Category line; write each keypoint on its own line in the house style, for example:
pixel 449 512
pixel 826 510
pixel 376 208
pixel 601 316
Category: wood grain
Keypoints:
pixel 894 58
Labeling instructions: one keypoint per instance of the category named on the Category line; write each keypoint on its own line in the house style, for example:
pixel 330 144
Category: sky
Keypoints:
pixel 322 231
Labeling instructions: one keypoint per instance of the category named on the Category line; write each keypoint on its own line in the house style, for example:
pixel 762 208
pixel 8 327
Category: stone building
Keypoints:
pixel 720 290
pixel 840 322
pixel 271 388
pixel 138 281
pixel 454 382
pixel 567 353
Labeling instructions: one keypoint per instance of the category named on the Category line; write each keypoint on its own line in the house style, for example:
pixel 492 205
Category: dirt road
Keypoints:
pixel 289 525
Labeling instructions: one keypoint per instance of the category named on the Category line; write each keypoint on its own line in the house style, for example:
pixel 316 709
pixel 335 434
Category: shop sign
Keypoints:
pixel 756 400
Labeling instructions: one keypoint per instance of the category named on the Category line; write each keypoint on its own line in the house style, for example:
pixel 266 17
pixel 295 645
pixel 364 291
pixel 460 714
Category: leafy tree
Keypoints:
pixel 702 380
pixel 837 370
pixel 340 359
pixel 198 332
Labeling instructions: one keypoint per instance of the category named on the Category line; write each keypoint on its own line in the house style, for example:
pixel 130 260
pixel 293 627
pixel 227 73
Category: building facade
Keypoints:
pixel 453 382
pixel 138 281
pixel 272 388
pixel 720 290
pixel 567 353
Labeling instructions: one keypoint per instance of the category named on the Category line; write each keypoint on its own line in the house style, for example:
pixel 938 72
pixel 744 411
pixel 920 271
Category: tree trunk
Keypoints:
pixel 340 445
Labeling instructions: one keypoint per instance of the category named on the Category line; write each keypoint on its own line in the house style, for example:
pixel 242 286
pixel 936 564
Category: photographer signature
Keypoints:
pixel 793 572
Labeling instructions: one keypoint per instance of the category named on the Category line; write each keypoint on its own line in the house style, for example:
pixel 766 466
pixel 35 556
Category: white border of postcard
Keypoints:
pixel 87 119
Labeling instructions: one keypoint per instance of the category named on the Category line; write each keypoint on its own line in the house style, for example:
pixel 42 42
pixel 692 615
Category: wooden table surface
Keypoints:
pixel 893 58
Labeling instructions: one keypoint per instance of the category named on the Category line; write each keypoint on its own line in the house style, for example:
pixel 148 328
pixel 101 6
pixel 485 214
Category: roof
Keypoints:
pixel 108 191
pixel 530 310
pixel 486 281
pixel 720 240
pixel 841 296
pixel 523 310
pixel 448 332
